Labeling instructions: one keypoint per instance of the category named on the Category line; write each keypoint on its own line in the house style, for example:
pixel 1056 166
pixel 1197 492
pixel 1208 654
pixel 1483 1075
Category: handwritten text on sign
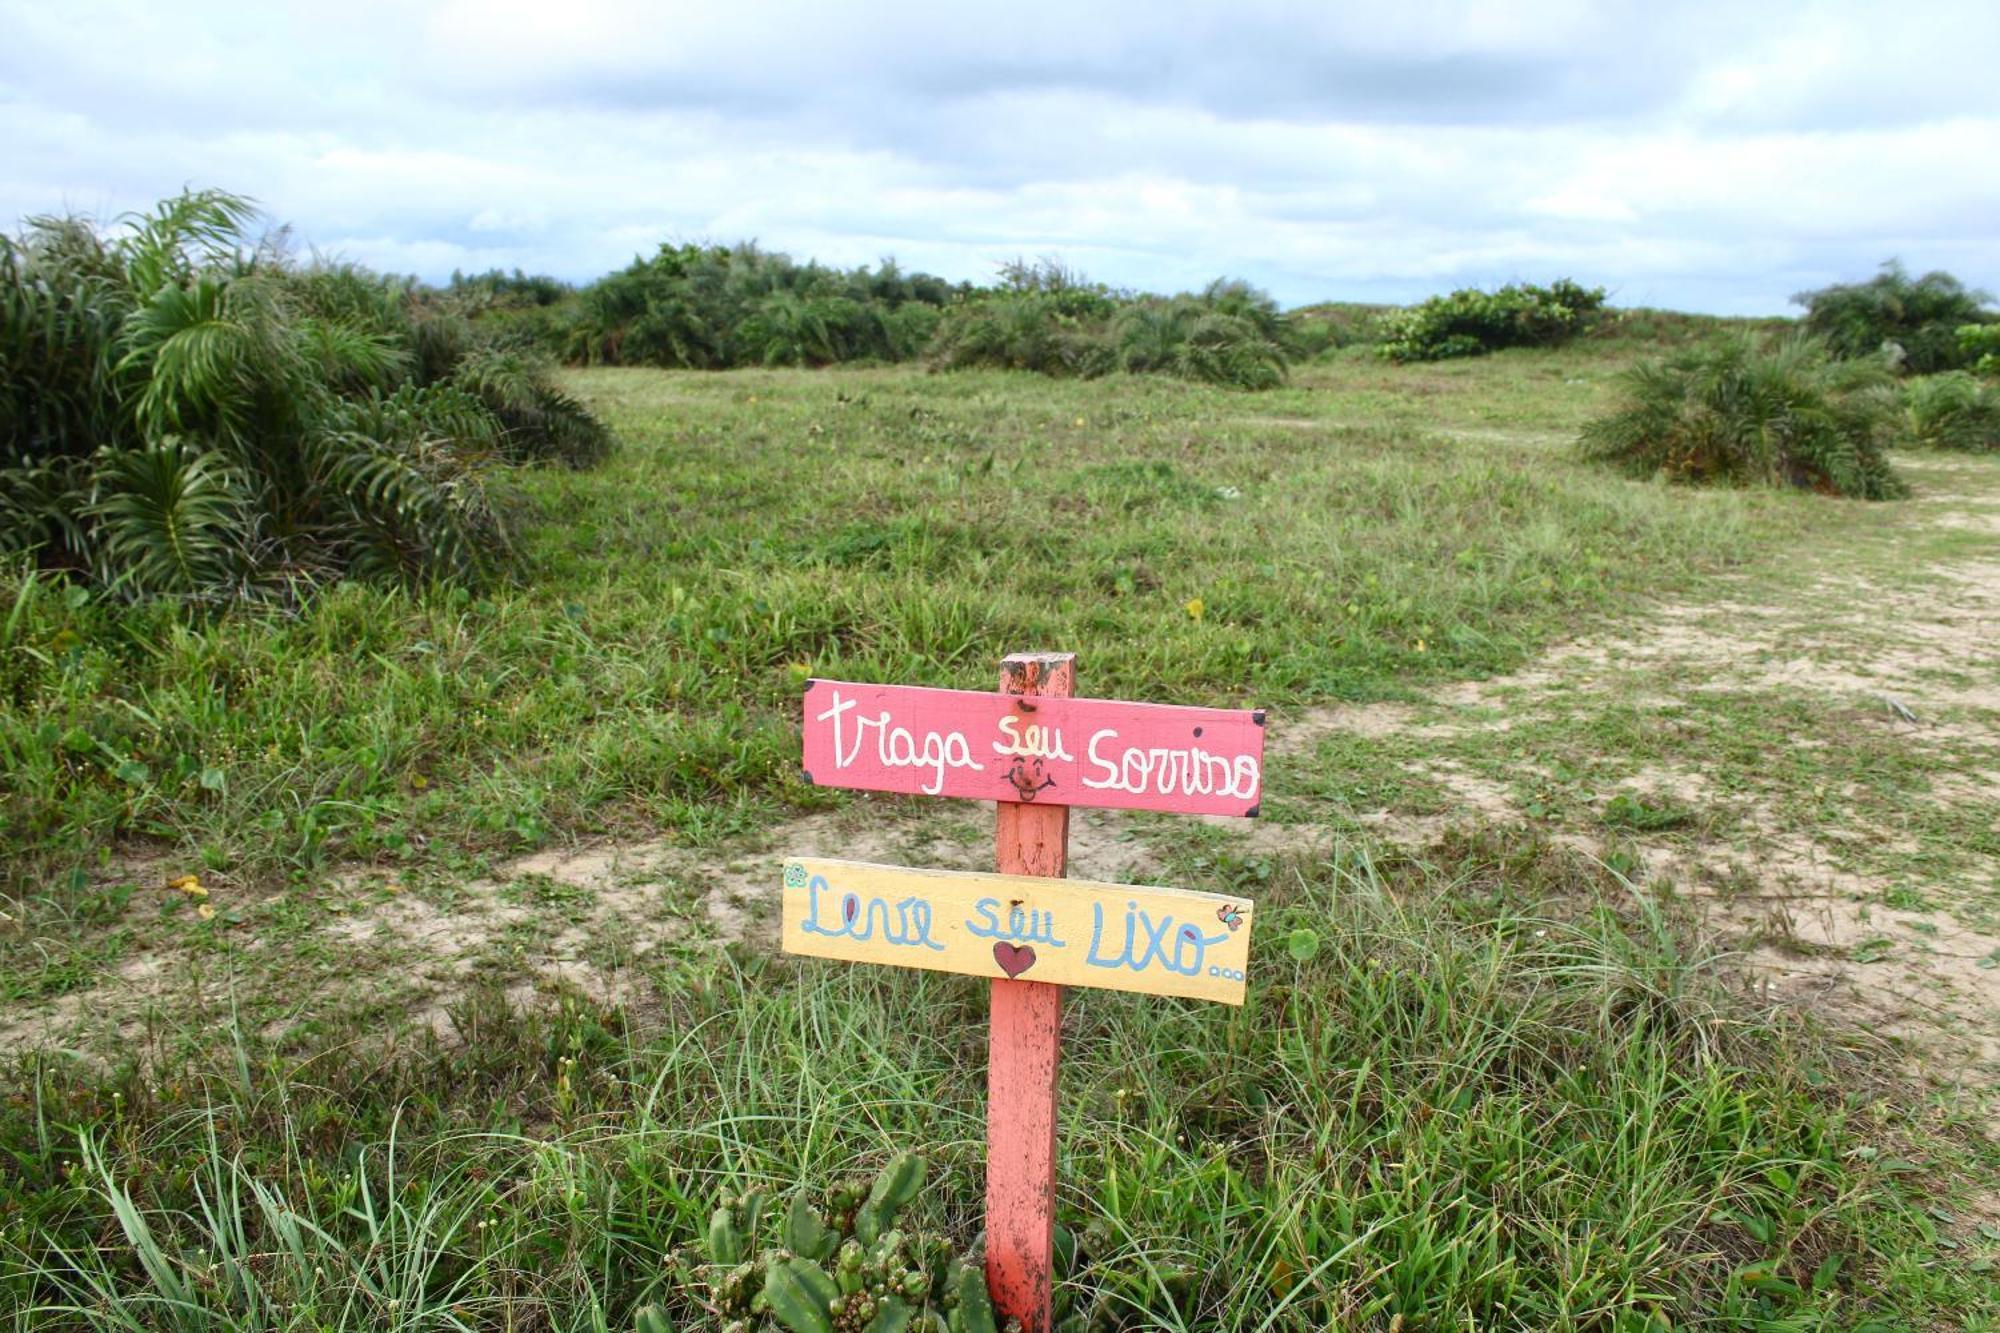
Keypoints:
pixel 1002 747
pixel 1073 932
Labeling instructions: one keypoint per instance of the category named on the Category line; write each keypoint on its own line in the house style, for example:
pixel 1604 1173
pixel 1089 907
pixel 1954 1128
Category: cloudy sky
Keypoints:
pixel 1708 157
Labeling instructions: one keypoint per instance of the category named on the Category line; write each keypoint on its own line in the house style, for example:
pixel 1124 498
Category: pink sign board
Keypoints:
pixel 1055 751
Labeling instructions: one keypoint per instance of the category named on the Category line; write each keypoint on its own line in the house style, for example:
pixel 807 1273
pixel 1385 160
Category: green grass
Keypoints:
pixel 1512 1090
pixel 1467 1109
pixel 762 526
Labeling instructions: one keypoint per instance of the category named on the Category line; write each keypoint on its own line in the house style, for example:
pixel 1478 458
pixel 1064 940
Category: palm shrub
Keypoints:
pixel 1470 322
pixel 180 416
pixel 1229 334
pixel 1199 339
pixel 1953 410
pixel 535 420
pixel 712 307
pixel 1979 347
pixel 1740 411
pixel 1917 320
pixel 1017 331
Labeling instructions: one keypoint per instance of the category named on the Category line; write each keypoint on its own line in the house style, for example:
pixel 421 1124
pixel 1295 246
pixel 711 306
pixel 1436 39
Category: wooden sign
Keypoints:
pixel 1036 751
pixel 1068 932
pixel 1051 750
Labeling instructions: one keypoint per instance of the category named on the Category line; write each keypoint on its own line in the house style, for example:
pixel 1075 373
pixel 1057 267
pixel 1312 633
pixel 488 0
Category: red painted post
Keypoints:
pixel 1024 1047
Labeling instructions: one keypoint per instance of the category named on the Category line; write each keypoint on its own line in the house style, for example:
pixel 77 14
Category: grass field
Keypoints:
pixel 1649 833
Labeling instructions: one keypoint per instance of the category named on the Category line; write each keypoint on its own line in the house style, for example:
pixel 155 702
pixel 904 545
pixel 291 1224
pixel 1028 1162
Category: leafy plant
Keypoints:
pixel 1735 410
pixel 537 421
pixel 1026 330
pixel 1980 345
pixel 181 416
pixel 1626 810
pixel 713 307
pixel 851 1269
pixel 1916 320
pixel 1953 410
pixel 1229 334
pixel 1470 322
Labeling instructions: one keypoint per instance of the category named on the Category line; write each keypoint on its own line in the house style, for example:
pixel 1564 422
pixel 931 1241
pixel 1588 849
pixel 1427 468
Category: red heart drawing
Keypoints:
pixel 1014 959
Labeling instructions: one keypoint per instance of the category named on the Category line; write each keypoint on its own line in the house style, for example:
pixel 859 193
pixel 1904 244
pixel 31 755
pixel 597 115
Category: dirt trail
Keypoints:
pixel 1842 899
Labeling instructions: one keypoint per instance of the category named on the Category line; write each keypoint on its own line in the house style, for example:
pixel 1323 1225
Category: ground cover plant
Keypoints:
pixel 1739 411
pixel 1500 1082
pixel 1471 322
pixel 1916 321
pixel 185 415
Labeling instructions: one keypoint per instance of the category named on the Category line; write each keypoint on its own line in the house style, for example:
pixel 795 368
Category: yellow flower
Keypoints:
pixel 1079 421
pixel 189 885
pixel 205 912
pixel 1420 646
pixel 1194 608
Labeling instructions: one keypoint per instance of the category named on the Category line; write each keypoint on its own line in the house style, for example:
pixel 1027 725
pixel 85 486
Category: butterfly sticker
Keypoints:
pixel 1230 915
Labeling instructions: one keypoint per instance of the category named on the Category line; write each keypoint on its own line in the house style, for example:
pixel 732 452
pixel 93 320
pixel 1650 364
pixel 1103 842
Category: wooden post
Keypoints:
pixel 1025 1046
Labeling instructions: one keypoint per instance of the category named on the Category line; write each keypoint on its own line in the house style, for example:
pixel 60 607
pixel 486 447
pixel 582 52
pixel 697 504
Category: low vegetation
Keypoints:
pixel 1485 1081
pixel 1741 411
pixel 895 525
pixel 1914 322
pixel 1229 334
pixel 1953 410
pixel 184 416
pixel 1471 322
pixel 712 307
pixel 1979 344
pixel 1489 1096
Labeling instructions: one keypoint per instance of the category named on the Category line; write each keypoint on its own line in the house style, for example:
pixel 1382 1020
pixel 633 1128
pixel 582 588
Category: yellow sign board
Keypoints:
pixel 1071 932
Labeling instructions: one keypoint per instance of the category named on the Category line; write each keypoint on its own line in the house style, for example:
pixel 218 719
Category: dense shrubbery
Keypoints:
pixel 180 415
pixel 522 309
pixel 1045 320
pixel 1470 322
pixel 1737 410
pixel 1917 320
pixel 713 307
pixel 1954 410
pixel 1979 344
pixel 717 307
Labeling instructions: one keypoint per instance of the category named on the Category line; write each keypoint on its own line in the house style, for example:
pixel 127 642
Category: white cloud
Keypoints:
pixel 1717 156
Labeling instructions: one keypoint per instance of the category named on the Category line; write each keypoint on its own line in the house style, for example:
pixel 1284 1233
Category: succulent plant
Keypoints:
pixel 851 1270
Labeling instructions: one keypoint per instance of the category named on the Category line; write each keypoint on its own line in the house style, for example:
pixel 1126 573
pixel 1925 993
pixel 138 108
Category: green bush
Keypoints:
pixel 1736 410
pixel 1979 345
pixel 714 307
pixel 1229 334
pixel 1470 322
pixel 1954 410
pixel 1018 331
pixel 1916 319
pixel 182 417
